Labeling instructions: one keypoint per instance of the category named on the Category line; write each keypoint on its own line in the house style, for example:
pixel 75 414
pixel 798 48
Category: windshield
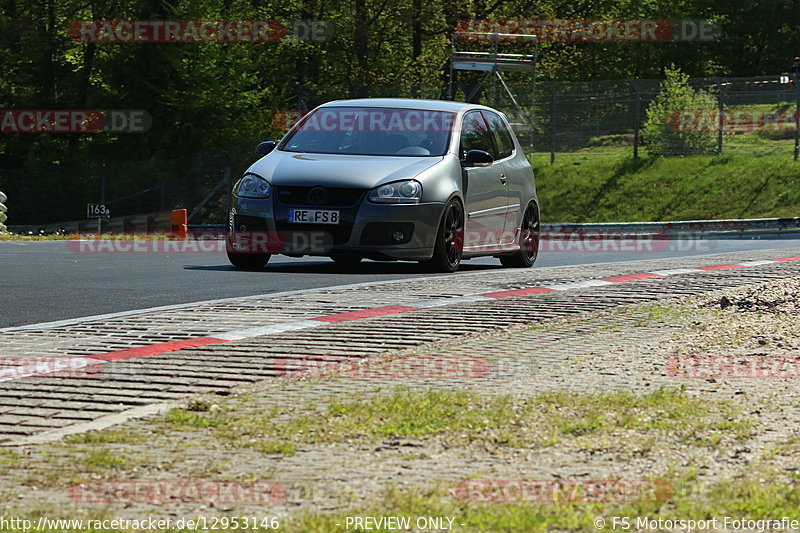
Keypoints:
pixel 372 131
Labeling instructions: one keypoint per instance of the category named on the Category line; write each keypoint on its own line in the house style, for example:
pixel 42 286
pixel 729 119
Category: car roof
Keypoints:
pixel 406 103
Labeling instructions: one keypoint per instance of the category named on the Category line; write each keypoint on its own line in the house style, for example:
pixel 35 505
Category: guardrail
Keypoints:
pixel 728 228
pixel 754 228
pixel 3 210
pixel 147 223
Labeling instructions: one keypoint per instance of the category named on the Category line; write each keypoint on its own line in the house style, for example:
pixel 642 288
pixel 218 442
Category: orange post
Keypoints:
pixel 179 223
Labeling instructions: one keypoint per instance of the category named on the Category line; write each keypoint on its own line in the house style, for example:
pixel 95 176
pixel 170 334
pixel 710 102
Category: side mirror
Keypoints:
pixel 477 158
pixel 265 147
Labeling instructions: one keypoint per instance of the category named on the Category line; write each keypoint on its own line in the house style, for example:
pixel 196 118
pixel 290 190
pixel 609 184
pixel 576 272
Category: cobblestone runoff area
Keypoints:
pixel 637 338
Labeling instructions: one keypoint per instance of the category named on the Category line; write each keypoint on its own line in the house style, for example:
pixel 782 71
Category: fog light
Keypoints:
pixel 398 236
pixel 242 227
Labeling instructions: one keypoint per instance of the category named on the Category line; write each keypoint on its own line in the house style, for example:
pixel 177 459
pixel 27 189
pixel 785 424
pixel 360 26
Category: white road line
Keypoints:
pixel 439 302
pixel 757 263
pixel 675 271
pixel 579 285
pixel 267 330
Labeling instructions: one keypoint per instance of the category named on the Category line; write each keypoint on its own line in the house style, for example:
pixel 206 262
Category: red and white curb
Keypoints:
pixel 72 363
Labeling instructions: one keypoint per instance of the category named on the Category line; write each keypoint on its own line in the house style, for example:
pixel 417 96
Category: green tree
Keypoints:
pixel 663 130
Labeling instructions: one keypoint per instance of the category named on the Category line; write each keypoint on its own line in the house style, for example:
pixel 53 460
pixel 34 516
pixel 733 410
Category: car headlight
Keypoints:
pixel 252 186
pixel 398 192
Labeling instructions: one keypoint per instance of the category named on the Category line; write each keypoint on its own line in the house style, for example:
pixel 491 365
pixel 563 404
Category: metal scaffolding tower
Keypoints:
pixel 492 63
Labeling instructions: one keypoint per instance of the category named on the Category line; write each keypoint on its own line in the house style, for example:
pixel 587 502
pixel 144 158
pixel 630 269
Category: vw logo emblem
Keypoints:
pixel 317 195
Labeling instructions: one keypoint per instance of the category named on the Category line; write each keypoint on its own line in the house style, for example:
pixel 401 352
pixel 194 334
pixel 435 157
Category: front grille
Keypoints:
pixel 323 196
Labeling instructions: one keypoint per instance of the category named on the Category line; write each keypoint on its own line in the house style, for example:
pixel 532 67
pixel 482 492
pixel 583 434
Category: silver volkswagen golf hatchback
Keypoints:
pixel 389 179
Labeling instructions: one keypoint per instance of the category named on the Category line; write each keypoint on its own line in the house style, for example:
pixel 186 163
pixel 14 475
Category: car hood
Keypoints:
pixel 336 170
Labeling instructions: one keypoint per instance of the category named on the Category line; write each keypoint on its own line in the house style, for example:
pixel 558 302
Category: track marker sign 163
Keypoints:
pixel 97 211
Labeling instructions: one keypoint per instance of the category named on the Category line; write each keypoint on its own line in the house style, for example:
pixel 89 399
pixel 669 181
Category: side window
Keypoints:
pixel 501 135
pixel 475 135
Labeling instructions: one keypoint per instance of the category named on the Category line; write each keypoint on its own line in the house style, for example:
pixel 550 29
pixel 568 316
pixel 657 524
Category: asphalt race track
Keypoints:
pixel 48 280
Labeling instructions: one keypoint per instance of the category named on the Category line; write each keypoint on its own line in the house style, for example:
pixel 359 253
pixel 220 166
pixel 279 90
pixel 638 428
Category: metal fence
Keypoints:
pixel 751 116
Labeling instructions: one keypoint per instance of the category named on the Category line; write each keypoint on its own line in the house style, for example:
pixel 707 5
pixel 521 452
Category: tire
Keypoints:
pixel 528 240
pixel 248 261
pixel 245 260
pixel 449 239
pixel 345 260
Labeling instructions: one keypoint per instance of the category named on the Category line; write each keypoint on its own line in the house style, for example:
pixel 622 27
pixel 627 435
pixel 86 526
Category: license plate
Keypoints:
pixel 313 216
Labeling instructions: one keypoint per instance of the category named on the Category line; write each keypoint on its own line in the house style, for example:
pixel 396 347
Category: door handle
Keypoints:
pixel 503 179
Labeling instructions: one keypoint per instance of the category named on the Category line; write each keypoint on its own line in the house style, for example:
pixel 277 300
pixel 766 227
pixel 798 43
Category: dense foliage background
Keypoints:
pixel 221 98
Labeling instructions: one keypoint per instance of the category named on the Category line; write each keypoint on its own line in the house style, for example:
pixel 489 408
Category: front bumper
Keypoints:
pixel 366 229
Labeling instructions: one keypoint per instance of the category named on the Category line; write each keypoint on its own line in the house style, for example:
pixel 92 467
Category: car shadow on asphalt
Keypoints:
pixel 368 267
